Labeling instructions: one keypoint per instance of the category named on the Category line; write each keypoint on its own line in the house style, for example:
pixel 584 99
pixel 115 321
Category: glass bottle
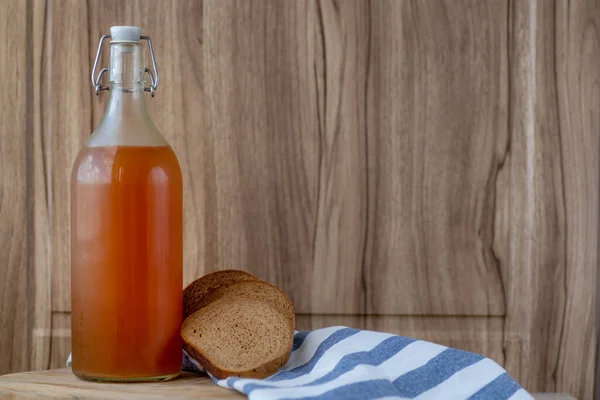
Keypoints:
pixel 126 233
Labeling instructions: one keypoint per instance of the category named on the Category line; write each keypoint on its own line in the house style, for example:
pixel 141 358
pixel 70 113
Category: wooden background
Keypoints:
pixel 425 167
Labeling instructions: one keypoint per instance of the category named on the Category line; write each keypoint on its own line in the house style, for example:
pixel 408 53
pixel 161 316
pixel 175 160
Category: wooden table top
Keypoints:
pixel 61 384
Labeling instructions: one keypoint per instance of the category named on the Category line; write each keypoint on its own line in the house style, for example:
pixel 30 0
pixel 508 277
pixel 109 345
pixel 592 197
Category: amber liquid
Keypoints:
pixel 126 257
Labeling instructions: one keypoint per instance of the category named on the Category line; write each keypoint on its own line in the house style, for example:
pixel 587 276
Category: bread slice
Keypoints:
pixel 195 291
pixel 239 337
pixel 256 290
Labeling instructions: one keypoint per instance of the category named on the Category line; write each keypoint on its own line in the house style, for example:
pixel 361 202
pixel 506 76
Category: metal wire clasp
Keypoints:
pixel 154 79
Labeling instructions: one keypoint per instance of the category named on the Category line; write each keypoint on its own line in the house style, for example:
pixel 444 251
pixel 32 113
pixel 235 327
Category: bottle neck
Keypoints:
pixel 127 66
pixel 126 79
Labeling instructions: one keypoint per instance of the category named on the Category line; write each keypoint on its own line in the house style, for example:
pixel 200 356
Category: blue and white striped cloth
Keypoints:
pixel 344 363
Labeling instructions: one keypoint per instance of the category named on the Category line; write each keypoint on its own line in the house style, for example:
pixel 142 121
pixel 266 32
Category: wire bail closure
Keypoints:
pixel 98 87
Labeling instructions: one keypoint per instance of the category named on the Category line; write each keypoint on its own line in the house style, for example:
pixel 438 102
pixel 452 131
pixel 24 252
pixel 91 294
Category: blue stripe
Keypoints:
pixel 500 388
pixel 365 390
pixel 436 371
pixel 335 338
pixel 299 339
pixel 380 353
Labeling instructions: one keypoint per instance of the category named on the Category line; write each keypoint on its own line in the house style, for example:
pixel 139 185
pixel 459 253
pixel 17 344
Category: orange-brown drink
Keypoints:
pixel 126 263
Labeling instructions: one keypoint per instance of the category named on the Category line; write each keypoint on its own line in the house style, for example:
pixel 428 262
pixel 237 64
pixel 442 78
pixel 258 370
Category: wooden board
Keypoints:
pixel 350 182
pixel 65 65
pixel 40 260
pixel 546 235
pixel 436 119
pixel 263 140
pixel 15 195
pixel 61 383
pixel 578 44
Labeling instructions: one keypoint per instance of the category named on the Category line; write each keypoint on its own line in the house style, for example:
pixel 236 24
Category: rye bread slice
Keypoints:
pixel 238 337
pixel 255 290
pixel 195 291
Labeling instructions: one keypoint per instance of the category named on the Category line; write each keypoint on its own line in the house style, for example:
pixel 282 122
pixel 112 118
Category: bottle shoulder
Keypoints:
pixel 123 134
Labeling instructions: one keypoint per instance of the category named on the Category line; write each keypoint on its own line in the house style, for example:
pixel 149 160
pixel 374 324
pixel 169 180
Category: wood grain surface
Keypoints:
pixel 437 114
pixel 15 196
pixel 61 383
pixel 547 238
pixel 428 168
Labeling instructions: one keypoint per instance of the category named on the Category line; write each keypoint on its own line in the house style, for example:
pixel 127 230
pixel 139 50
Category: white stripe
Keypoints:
pixel 521 394
pixel 465 382
pixel 224 383
pixel 300 356
pixel 362 341
pixel 409 358
pixel 309 347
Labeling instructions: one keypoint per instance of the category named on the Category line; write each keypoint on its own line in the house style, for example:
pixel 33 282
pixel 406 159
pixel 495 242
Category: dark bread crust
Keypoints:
pixel 195 291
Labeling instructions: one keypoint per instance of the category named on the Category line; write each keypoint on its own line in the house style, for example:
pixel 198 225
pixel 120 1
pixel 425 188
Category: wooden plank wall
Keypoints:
pixel 429 168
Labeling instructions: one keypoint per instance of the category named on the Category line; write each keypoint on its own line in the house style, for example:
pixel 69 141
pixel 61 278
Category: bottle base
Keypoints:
pixel 133 379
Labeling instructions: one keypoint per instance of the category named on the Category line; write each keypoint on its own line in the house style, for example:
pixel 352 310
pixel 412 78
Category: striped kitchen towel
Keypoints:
pixel 344 363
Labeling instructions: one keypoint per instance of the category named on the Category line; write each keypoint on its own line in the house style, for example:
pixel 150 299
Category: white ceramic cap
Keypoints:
pixel 127 33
